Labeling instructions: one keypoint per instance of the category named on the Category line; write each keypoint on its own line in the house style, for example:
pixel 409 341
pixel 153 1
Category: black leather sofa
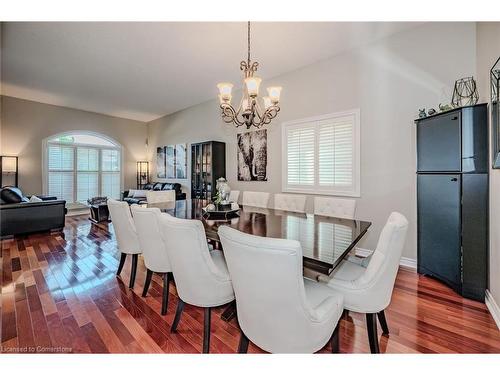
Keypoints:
pixel 19 216
pixel 179 195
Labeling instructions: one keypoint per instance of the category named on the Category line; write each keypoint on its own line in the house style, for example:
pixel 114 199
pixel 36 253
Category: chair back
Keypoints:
pixel 161 196
pixel 124 226
pixel 255 199
pixel 290 202
pixel 381 272
pixel 270 295
pixel 335 207
pixel 234 196
pixel 198 280
pixel 150 238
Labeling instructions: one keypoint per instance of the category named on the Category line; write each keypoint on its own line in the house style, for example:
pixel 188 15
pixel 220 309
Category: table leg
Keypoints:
pixel 229 313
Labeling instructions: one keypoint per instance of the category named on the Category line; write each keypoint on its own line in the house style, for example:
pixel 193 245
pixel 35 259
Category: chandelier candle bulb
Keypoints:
pixel 253 84
pixel 274 93
pixel 225 90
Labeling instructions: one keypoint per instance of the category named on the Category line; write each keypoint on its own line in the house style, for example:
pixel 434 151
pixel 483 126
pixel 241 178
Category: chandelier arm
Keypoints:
pixel 230 115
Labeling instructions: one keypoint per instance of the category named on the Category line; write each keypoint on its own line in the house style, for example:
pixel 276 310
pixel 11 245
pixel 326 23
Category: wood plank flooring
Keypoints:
pixel 60 294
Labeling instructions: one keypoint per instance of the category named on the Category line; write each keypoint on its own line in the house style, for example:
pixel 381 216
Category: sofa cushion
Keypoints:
pixel 11 195
pixel 148 186
pixel 137 193
pixel 134 200
pixel 158 186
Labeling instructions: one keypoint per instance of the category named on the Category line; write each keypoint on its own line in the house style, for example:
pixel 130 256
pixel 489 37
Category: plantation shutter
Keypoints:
pixel 87 177
pixel 110 178
pixel 60 171
pixel 321 155
pixel 335 155
pixel 300 143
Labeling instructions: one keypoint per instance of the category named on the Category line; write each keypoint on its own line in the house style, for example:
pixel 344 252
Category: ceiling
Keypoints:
pixel 143 71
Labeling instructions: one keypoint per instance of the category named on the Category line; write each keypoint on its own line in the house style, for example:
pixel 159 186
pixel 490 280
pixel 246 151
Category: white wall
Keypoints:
pixel 488 51
pixel 25 124
pixel 388 81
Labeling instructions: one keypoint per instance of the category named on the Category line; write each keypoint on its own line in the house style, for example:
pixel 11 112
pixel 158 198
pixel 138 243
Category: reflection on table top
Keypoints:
pixel 325 240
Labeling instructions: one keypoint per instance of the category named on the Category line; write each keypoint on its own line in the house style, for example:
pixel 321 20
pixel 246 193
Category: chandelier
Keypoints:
pixel 249 111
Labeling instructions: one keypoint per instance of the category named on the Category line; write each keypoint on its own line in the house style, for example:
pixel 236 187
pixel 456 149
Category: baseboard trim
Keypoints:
pixel 492 306
pixel 404 262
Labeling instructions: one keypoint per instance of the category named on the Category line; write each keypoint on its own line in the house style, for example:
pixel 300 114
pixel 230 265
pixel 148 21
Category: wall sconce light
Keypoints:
pixel 142 174
pixel 9 167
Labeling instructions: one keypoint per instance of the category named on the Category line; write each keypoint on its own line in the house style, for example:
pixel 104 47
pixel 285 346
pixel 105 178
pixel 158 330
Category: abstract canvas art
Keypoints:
pixel 252 156
pixel 171 161
pixel 181 161
pixel 160 162
pixel 170 158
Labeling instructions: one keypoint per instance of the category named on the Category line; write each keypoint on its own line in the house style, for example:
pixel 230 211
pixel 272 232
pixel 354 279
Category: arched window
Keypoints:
pixel 82 165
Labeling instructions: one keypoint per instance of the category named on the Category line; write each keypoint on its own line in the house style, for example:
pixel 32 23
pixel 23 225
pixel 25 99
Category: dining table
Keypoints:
pixel 325 240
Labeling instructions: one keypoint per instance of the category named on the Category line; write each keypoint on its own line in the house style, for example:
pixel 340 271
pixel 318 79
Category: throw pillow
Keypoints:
pixel 11 195
pixel 140 193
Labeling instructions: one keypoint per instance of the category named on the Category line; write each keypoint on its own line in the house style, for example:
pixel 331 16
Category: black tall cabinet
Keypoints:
pixel 208 163
pixel 452 198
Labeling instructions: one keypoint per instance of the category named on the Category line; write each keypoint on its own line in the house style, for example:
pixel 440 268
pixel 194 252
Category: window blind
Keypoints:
pixel 110 160
pixel 60 184
pixel 300 155
pixel 321 155
pixel 87 176
pixel 110 184
pixel 335 156
pixel 60 171
pixel 76 173
pixel 60 158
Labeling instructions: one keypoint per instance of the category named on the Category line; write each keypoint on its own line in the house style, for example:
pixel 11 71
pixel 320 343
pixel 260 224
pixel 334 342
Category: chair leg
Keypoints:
pixel 166 286
pixel 178 313
pixel 122 262
pixel 206 330
pixel 335 340
pixel 383 322
pixel 133 272
pixel 371 325
pixel 243 345
pixel 149 276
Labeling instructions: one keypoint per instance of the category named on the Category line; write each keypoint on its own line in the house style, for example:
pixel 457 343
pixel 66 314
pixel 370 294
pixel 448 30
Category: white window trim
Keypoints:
pixel 356 192
pixel 46 142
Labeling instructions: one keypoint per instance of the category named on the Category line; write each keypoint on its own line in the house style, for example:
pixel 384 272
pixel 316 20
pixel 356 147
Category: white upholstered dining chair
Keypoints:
pixel 126 235
pixel 342 208
pixel 201 276
pixel 369 290
pixel 234 196
pixel 160 196
pixel 153 248
pixel 290 202
pixel 278 310
pixel 255 199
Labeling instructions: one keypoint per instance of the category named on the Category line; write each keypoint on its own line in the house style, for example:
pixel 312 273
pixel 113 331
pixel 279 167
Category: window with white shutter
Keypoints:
pixel 110 181
pixel 82 166
pixel 321 155
pixel 60 172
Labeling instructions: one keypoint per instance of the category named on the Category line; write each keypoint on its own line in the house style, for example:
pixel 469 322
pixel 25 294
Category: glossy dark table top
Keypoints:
pixel 325 240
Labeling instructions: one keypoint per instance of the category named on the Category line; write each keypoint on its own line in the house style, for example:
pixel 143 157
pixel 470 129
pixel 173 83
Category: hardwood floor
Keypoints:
pixel 62 295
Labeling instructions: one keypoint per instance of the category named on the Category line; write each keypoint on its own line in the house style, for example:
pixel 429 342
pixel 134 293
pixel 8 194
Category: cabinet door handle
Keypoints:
pixel 455 118
pixel 454 179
